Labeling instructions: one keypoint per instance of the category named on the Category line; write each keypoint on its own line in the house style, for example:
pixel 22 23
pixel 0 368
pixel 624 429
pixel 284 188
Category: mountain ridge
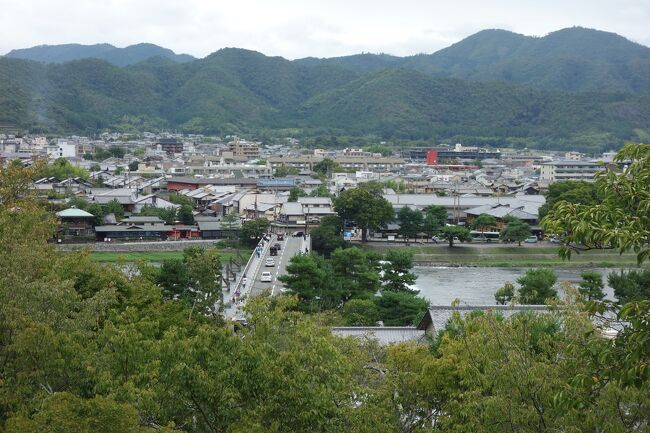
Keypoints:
pixel 118 56
pixel 236 91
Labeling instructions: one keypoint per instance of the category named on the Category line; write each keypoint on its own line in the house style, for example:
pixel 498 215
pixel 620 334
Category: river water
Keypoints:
pixel 476 285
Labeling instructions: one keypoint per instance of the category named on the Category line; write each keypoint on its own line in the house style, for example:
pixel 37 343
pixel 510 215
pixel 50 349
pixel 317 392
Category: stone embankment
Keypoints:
pixel 133 247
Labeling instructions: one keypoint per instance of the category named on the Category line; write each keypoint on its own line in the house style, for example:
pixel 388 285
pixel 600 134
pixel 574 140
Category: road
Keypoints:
pixel 289 247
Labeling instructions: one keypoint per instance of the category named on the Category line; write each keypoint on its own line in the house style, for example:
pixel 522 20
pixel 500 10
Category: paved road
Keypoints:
pixel 290 246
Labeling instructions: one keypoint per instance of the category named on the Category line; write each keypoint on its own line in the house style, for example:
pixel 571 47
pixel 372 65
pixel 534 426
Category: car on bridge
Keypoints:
pixel 269 262
pixel 266 277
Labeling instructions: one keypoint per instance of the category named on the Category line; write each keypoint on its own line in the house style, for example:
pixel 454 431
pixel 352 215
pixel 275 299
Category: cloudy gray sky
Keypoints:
pixel 294 28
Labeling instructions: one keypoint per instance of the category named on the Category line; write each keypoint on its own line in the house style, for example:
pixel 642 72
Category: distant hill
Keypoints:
pixel 361 63
pixel 574 60
pixel 234 91
pixel 117 56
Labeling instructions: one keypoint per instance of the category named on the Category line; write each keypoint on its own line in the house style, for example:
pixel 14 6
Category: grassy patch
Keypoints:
pixel 504 256
pixel 152 256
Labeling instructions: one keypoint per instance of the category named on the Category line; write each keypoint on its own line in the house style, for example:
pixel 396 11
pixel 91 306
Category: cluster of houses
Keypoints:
pixel 226 176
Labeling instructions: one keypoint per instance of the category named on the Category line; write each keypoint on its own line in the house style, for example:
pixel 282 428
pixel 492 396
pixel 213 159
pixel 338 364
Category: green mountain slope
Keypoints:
pixel 238 91
pixel 117 56
pixel 574 59
pixel 407 103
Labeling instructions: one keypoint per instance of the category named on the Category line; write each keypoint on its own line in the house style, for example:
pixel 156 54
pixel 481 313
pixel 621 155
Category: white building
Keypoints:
pixel 567 170
pixel 62 149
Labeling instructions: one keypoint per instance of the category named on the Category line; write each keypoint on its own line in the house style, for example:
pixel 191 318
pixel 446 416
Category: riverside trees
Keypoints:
pixel 366 206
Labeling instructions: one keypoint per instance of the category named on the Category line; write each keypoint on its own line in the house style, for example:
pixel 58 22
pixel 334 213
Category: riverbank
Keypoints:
pixel 508 256
pixel 156 256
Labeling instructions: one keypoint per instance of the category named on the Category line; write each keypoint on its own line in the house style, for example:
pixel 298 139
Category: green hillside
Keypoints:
pixel 237 90
pixel 573 59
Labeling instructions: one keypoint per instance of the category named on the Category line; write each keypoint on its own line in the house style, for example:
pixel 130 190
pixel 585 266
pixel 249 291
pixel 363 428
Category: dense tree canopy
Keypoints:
pixel 366 206
pixel 572 191
pixel 620 219
pixel 88 347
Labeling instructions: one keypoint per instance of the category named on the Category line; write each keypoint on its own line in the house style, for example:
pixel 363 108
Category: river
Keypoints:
pixel 476 285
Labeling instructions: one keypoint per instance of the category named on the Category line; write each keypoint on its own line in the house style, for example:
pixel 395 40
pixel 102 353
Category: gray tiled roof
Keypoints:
pixel 439 315
pixel 383 334
pixel 501 211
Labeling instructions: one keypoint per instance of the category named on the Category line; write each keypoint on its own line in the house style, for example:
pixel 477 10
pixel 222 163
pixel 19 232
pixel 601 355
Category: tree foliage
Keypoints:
pixel 62 169
pixel 327 166
pixel 435 218
pixel 591 286
pixel 400 308
pixel 484 222
pixel 366 206
pixel 630 286
pixel 537 286
pixel 451 233
pixel 295 193
pixel 620 219
pixel 88 347
pixel 505 294
pixel 252 231
pixel 327 237
pixel 572 191
pixel 396 268
pixel 410 222
pixel 515 231
pixel 185 214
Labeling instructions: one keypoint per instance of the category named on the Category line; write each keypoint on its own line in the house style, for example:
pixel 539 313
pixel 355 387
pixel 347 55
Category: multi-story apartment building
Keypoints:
pixel 567 170
pixel 242 148
pixel 170 145
pixel 307 162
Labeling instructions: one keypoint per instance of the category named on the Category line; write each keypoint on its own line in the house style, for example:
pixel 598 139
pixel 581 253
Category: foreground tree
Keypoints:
pixel 572 191
pixel 400 308
pixel 620 219
pixel 397 275
pixel 354 273
pixel 537 286
pixel 504 295
pixel 327 237
pixel 630 286
pixel 360 312
pixel 591 286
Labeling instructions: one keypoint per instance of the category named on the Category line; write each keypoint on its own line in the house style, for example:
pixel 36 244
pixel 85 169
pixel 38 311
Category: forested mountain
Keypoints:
pixel 117 56
pixel 574 59
pixel 235 91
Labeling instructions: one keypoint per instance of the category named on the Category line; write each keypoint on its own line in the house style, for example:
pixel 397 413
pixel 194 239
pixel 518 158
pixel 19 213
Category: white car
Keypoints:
pixel 269 262
pixel 531 240
pixel 266 277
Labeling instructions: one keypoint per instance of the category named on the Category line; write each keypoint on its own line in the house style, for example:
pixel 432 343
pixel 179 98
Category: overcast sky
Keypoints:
pixel 295 28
